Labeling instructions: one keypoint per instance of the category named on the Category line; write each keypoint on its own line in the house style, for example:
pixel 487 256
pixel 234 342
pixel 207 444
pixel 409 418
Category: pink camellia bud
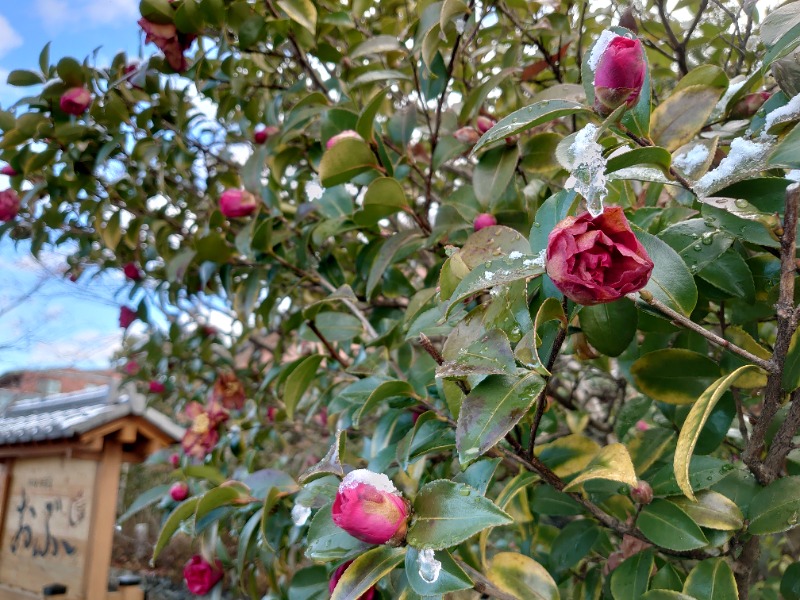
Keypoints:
pixel 8 170
pixel 75 101
pixel 467 135
pixel 126 317
pixel 484 220
pixel 642 425
pixel 594 260
pixel 263 133
pixel 347 133
pixel 642 493
pixel 175 459
pixel 131 367
pixel 484 124
pixel 337 575
pixel 156 387
pixel 271 412
pixel 370 508
pixel 9 204
pixel 749 105
pixel 179 492
pixel 200 575
pixel 237 203
pixel 620 68
pixel 132 272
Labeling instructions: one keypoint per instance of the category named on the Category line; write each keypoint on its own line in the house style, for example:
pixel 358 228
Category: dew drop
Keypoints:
pixel 708 240
pixel 697 247
pixel 740 203
pixel 693 269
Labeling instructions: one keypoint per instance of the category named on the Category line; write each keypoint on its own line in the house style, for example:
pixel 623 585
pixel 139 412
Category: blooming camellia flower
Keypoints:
pixel 337 575
pixel 347 133
pixel 237 203
pixel 9 204
pixel 619 74
pixel 370 508
pixel 169 40
pixel 200 575
pixel 229 391
pixel 202 435
pixel 484 220
pixel 156 387
pixel 263 133
pixel 126 316
pixel 179 491
pixel 75 101
pixel 593 260
pixel 132 272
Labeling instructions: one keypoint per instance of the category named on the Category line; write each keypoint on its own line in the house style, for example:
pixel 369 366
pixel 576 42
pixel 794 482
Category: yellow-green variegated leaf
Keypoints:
pixel 713 511
pixel 613 463
pixel 522 577
pixel 681 116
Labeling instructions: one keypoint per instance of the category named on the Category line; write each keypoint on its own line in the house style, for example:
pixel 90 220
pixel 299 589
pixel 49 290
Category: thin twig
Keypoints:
pixel 326 342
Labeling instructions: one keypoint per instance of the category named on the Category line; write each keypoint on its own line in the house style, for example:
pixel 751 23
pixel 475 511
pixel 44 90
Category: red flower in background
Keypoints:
pixel 229 391
pixel 169 40
pixel 9 204
pixel 202 435
pixel 200 575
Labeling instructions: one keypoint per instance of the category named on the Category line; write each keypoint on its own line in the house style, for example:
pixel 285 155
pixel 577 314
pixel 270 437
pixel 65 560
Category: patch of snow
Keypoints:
pixel 377 480
pixel 429 567
pixel 788 112
pixel 690 160
pixel 588 169
pixel 732 89
pixel 488 275
pixel 746 157
pixel 515 254
pixel 300 514
pixel 599 48
pixel 793 175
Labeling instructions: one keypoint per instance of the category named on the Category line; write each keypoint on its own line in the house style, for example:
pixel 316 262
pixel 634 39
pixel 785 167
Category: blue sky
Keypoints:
pixel 63 323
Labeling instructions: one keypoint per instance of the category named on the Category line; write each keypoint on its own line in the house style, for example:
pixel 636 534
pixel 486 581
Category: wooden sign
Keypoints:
pixel 46 528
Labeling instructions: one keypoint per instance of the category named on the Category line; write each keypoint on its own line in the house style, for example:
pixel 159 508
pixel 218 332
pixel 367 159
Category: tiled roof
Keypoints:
pixel 64 416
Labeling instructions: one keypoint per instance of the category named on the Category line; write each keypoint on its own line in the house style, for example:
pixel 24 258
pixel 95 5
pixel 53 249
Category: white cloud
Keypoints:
pixel 59 14
pixel 9 39
pixel 80 348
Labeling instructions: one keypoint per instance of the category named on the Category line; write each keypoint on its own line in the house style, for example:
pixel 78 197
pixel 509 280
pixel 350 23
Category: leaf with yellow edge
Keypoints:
pixel 613 463
pixel 681 116
pixel 568 455
pixel 522 577
pixel 713 510
pixel 367 570
pixel 693 425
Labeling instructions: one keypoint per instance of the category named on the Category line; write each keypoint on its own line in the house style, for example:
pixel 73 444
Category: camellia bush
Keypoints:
pixel 509 287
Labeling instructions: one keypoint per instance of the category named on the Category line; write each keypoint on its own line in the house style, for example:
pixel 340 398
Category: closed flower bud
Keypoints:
pixel 75 101
pixel 262 133
pixel 175 459
pixel 200 575
pixel 9 171
pixel 484 220
pixel 484 124
pixel 237 203
pixel 594 260
pixel 370 508
pixel 620 68
pixel 156 387
pixel 642 493
pixel 337 575
pixel 347 133
pixel 749 105
pixel 9 204
pixel 126 317
pixel 179 491
pixel 132 272
pixel 131 367
pixel 467 135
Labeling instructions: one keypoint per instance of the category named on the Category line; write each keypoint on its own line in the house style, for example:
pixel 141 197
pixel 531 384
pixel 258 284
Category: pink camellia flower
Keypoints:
pixel 237 203
pixel 347 133
pixel 169 40
pixel 749 105
pixel 337 575
pixel 126 317
pixel 370 508
pixel 593 260
pixel 467 135
pixel 175 459
pixel 202 435
pixel 75 101
pixel 156 387
pixel 484 220
pixel 229 391
pixel 8 170
pixel 484 124
pixel 200 575
pixel 132 271
pixel 9 204
pixel 619 73
pixel 131 367
pixel 263 133
pixel 179 491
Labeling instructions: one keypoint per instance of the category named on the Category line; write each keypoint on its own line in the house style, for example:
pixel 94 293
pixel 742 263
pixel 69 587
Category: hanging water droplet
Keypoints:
pixel 300 514
pixel 693 269
pixel 708 240
pixel 429 567
pixel 464 491
pixel 740 203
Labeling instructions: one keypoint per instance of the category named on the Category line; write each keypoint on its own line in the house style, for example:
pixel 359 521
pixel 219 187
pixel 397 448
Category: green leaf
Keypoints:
pixel 452 578
pixel 696 243
pixel 572 544
pixel 693 425
pixel 522 577
pixel 367 570
pixel 491 410
pixel 70 71
pixel 380 44
pixel 180 513
pixel 22 78
pixel 790 582
pixel 713 511
pixel 326 542
pixel 346 159
pixel 668 526
pixel 298 382
pixel 666 595
pixel 478 474
pixel 490 355
pixel 704 471
pixel 494 172
pixel 554 209
pixel 330 464
pixel 730 273
pixel 145 499
pixel 674 375
pixel 530 116
pixel 302 12
pixel 612 463
pixel 338 327
pixel 711 579
pixel 206 473
pixel 651 156
pixel 610 327
pixel 786 153
pixel 671 282
pixel 400 245
pixel 791 368
pixel 366 120
pixel 776 508
pixel 387 389
pixel 448 513
pixel 227 495
pixel 629 580
pixel 680 117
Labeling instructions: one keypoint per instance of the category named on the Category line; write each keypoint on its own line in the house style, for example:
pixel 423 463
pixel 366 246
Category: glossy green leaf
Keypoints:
pixel 711 579
pixel 522 577
pixel 494 172
pixel 326 542
pixel 674 375
pixel 396 247
pixel 489 355
pixel 630 580
pixel 790 582
pixel 713 511
pixel 610 327
pixel 346 159
pixel 448 513
pixel 554 209
pixel 776 508
pixel 574 542
pixel 182 512
pixel 145 499
pixel 299 381
pixel 666 525
pixel 384 391
pixel 452 578
pixel 671 282
pixel 302 12
pixel 704 472
pixel 367 570
pixel 651 156
pixel 786 153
